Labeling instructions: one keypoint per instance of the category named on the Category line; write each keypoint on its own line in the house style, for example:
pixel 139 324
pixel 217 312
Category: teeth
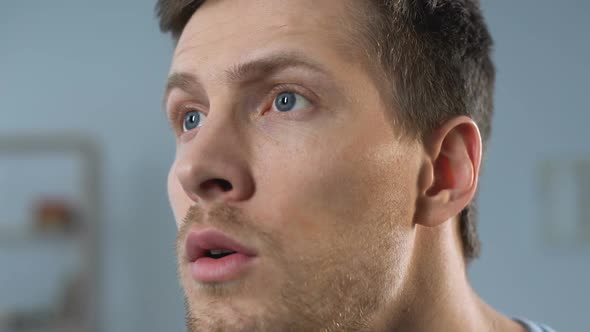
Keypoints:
pixel 220 251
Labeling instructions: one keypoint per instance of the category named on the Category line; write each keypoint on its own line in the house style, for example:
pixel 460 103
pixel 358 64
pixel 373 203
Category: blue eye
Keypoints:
pixel 288 101
pixel 192 120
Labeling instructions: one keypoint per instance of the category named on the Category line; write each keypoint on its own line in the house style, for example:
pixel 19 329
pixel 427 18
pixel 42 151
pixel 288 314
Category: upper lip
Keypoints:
pixel 199 242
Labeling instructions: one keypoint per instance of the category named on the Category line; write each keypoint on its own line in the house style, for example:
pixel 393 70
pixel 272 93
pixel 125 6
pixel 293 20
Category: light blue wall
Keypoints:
pixel 99 67
pixel 543 59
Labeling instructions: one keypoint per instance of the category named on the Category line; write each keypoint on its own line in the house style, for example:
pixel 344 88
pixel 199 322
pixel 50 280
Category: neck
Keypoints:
pixel 438 296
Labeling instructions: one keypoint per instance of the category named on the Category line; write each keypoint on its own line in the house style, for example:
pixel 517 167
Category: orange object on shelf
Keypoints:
pixel 53 214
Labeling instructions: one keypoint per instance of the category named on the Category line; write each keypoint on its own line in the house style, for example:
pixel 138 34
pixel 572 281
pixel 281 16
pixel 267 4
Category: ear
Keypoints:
pixel 449 172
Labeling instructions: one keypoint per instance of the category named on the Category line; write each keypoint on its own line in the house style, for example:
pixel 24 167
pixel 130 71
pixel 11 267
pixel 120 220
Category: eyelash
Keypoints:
pixel 178 114
pixel 277 90
pixel 177 117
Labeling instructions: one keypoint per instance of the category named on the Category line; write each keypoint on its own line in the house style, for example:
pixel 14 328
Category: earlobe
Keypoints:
pixel 449 173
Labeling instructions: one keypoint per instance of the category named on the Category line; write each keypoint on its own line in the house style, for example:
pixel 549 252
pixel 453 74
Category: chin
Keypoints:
pixel 229 315
pixel 236 305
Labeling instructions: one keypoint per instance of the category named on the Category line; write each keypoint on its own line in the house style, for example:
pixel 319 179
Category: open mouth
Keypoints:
pixel 218 253
pixel 214 257
pixel 213 244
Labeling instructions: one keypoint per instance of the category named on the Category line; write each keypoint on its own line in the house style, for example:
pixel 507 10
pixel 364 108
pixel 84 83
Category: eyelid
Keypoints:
pixel 278 89
pixel 177 112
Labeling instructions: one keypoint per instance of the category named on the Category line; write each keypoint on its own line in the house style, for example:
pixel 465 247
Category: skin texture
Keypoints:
pixel 355 226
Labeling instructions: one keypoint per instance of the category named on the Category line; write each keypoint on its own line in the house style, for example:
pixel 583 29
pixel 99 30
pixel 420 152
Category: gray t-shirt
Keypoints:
pixel 534 327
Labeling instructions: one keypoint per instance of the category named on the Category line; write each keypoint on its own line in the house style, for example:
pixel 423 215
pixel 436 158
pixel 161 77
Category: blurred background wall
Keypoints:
pixel 98 67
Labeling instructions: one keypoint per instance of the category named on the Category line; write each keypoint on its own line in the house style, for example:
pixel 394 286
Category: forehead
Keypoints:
pixel 227 31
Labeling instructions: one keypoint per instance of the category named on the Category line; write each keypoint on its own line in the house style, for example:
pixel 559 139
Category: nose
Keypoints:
pixel 212 165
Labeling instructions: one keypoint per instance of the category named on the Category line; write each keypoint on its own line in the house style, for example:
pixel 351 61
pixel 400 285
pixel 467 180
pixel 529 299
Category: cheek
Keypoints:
pixel 179 202
pixel 338 190
pixel 355 191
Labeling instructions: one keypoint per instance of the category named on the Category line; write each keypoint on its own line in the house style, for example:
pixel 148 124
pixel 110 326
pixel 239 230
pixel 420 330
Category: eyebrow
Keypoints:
pixel 251 70
pixel 179 80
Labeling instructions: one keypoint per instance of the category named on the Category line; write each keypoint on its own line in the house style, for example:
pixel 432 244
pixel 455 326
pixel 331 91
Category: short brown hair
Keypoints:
pixel 436 56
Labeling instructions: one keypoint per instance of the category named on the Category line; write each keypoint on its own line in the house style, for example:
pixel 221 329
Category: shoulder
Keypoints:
pixel 534 327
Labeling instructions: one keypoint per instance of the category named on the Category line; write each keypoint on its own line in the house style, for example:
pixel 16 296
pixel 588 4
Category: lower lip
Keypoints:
pixel 228 268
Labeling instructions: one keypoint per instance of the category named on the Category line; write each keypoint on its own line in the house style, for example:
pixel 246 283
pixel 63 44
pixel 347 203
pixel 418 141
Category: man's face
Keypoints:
pixel 322 189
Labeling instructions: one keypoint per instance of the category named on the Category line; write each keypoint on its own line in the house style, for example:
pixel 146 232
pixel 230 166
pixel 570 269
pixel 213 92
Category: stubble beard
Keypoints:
pixel 326 292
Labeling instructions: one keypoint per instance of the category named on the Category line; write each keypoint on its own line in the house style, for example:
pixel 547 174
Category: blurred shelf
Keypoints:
pixel 85 234
pixel 53 327
pixel 10 238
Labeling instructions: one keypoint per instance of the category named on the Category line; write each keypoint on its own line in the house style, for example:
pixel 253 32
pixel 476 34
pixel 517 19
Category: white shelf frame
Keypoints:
pixel 90 234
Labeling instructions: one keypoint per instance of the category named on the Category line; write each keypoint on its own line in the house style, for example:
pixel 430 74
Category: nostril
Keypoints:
pixel 224 185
